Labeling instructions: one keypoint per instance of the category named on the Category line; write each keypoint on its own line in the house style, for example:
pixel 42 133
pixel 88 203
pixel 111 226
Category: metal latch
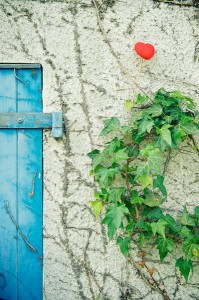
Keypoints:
pixel 33 120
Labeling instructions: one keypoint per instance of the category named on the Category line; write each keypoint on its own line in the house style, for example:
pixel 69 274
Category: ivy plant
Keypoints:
pixel 130 175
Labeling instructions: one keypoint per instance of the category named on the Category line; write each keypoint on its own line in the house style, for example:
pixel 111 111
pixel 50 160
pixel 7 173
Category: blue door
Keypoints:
pixel 20 186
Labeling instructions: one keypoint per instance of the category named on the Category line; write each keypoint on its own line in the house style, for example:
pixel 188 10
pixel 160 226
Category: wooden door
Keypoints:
pixel 20 186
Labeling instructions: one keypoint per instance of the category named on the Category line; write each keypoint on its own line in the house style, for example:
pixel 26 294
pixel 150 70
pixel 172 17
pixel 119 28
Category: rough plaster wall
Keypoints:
pixel 82 78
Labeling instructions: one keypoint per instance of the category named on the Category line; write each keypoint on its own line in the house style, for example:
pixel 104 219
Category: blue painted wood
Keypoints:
pixel 33 120
pixel 20 66
pixel 21 187
pixel 8 191
pixel 26 120
pixel 30 190
pixel 57 125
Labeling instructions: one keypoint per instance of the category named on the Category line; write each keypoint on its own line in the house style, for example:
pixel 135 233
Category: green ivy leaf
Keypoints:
pixel 136 116
pixel 177 135
pixel 164 246
pixel 141 240
pixel 151 166
pixel 146 124
pixel 163 97
pixel 190 103
pixel 153 213
pixel 187 125
pixel 171 223
pixel 153 199
pixel 177 94
pixel 144 225
pixel 131 178
pixel 135 199
pixel 124 243
pixel 106 175
pixel 186 232
pixel 148 150
pixel 185 267
pixel 187 219
pixel 141 99
pixel 93 153
pixel 174 112
pixel 168 119
pixel 145 180
pixel 115 194
pixel 165 133
pixel 159 227
pixel 102 195
pixel 130 226
pixel 126 131
pixel 197 212
pixel 138 138
pixel 96 207
pixel 154 110
pixel 129 105
pixel 114 217
pixel 111 230
pixel 158 183
pixel 133 151
pixel 196 252
pixel 161 144
pixel 112 146
pixel 96 157
pixel 121 155
pixel 190 248
pixel 111 125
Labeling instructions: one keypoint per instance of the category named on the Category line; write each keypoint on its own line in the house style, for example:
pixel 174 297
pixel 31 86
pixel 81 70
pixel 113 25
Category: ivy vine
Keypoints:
pixel 130 175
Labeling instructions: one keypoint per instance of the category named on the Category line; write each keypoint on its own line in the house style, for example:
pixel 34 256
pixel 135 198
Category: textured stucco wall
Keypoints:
pixel 82 78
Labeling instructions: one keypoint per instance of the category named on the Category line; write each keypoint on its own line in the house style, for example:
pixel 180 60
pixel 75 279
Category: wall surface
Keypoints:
pixel 82 77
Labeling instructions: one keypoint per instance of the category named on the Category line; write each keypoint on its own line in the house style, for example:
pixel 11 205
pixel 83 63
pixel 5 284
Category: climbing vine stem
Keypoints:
pixel 130 174
pixel 122 67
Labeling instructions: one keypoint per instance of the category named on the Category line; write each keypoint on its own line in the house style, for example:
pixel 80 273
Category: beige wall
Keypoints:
pixel 83 79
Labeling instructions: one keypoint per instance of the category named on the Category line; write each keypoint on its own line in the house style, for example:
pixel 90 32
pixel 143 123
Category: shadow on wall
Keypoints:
pixel 194 3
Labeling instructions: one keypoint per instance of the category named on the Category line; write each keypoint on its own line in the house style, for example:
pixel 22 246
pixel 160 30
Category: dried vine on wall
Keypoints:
pixel 194 3
pixel 118 152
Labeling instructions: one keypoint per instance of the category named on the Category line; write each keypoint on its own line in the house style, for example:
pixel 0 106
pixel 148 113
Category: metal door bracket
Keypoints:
pixel 33 120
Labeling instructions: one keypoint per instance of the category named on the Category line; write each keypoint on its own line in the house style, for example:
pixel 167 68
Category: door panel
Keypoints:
pixel 21 189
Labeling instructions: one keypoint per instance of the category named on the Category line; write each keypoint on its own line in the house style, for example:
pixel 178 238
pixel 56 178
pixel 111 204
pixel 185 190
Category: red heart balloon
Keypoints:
pixel 146 51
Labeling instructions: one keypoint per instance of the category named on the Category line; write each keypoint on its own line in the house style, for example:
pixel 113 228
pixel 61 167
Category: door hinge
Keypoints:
pixel 33 120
